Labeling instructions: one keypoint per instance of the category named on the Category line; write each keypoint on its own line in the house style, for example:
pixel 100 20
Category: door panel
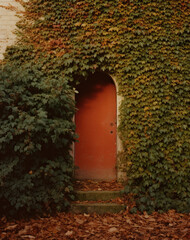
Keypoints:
pixel 95 153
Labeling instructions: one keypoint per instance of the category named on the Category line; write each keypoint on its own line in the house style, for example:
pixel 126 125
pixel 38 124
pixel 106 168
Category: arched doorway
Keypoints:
pixel 96 125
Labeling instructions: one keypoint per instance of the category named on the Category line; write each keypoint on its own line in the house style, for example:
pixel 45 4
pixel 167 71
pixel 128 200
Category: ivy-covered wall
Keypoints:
pixel 145 45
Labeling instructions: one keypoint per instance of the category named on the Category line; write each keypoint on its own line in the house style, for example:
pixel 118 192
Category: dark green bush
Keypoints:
pixel 36 134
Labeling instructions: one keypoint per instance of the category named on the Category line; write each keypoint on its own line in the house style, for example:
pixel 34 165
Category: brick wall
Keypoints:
pixel 7 25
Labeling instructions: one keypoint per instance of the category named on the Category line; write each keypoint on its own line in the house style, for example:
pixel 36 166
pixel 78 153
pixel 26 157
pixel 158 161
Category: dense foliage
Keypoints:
pixel 145 45
pixel 35 138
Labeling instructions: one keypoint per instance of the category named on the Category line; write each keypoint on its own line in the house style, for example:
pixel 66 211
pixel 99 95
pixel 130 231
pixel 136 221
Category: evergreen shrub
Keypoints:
pixel 36 133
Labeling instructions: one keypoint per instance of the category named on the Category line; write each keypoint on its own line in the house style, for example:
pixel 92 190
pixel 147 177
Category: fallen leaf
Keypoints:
pixel 69 233
pixel 112 230
pixel 79 221
pixel 28 236
pixel 86 215
pixel 128 221
pixel 24 231
pixel 12 227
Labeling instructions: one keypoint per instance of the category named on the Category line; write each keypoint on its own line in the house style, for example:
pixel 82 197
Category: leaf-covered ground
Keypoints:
pixel 169 225
pixel 92 185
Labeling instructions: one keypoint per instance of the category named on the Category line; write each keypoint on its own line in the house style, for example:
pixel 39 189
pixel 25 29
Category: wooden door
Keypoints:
pixel 95 153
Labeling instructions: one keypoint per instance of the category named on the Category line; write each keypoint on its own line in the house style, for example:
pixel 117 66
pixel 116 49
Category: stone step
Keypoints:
pixel 97 195
pixel 99 208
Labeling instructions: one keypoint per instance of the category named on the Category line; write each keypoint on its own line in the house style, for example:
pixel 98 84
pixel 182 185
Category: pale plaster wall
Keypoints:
pixel 8 21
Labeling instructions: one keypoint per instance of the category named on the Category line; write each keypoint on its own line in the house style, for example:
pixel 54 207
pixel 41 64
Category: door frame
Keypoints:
pixel 120 175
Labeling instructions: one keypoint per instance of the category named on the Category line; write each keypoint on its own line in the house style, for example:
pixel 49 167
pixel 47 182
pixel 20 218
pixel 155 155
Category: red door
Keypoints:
pixel 95 153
